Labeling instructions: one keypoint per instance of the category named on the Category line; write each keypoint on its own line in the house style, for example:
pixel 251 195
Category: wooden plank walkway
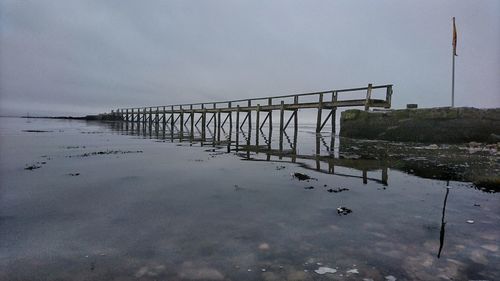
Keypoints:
pixel 183 113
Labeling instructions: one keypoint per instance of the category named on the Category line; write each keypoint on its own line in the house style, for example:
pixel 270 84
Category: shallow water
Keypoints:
pixel 112 202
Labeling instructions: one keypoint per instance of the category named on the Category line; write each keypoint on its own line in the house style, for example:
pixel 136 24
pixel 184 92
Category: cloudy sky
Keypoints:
pixel 81 57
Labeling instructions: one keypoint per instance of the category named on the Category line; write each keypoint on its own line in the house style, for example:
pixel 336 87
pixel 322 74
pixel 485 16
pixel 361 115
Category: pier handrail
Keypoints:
pixel 270 98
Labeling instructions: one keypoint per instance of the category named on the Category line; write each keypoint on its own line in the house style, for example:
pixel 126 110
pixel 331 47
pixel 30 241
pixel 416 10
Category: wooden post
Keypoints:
pixel 320 108
pixel 318 136
pixel 270 103
pixel 203 122
pixel 172 120
pixel 181 132
pixel 144 116
pixel 257 121
pixel 214 117
pixel 230 123
pixel 249 118
pixel 157 116
pixel 388 96
pixel 384 176
pixel 218 125
pixel 150 116
pixel 368 97
pixel 282 117
pixel 164 119
pixel 237 126
pixel 191 135
pixel 334 112
pixel 295 117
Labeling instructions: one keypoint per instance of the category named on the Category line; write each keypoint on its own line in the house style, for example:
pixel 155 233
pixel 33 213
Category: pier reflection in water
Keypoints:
pixel 314 151
pixel 231 209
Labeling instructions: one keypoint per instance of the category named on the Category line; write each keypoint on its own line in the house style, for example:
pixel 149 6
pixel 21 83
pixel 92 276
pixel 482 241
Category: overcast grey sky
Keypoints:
pixel 81 57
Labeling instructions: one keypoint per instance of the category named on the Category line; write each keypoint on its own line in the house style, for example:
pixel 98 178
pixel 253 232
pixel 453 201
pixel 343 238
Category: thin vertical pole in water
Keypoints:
pixel 443 224
pixel 150 115
pixel 144 116
pixel 282 117
pixel 365 176
pixel 385 176
pixel 320 108
pixel 257 121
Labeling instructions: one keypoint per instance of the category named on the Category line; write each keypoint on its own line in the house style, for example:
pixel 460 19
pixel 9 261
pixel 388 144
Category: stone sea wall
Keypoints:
pixel 425 125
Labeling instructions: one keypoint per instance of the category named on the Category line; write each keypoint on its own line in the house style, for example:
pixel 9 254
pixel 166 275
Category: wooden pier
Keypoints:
pixel 186 117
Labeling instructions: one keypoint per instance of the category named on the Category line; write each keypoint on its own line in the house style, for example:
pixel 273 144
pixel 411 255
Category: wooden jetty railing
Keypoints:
pixel 184 113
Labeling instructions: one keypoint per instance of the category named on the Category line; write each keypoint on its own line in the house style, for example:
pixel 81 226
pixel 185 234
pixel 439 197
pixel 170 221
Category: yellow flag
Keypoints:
pixel 454 38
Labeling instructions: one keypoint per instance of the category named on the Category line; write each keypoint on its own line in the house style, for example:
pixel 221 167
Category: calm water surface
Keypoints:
pixel 110 202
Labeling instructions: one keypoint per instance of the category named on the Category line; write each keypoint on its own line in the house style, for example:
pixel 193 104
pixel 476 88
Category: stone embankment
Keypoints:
pixel 426 125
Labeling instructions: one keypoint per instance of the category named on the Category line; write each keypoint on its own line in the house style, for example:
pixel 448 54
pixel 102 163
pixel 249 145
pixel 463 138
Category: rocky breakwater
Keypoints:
pixel 426 125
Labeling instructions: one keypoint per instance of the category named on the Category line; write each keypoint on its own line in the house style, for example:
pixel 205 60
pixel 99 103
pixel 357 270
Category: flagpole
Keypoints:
pixel 453 55
pixel 453 80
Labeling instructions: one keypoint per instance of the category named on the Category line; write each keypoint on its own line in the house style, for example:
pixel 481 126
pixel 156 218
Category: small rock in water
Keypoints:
pixel 263 270
pixel 302 177
pixel 390 278
pixel 309 187
pixel 32 167
pixel 264 247
pixel 490 247
pixel 325 270
pixel 470 221
pixel 477 205
pixel 249 270
pixel 353 271
pixel 343 211
pixel 337 190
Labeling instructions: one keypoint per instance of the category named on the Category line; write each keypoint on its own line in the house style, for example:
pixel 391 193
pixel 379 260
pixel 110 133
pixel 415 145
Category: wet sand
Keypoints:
pixel 115 203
